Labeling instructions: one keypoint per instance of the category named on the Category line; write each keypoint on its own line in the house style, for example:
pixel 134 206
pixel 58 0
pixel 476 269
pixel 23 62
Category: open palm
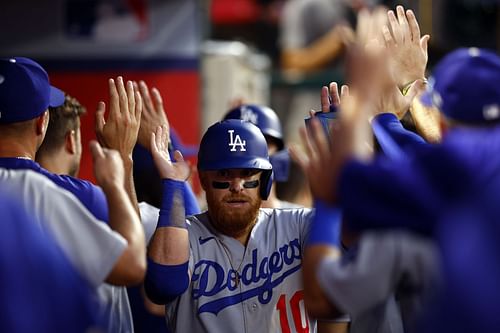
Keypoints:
pixel 175 170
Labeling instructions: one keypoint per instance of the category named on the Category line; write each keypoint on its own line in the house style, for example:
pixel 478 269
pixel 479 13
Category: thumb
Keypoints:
pixel 99 117
pixel 96 150
pixel 424 42
pixel 417 87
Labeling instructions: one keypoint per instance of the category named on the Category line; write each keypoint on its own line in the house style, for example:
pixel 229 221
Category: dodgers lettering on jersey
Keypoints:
pixel 253 289
pixel 272 270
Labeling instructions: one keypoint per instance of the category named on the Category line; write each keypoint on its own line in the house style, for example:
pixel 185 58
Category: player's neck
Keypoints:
pixel 12 148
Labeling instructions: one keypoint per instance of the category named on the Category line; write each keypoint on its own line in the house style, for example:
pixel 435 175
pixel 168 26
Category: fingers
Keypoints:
pixel 157 144
pixel 99 117
pixel 158 100
pixel 154 148
pixel 164 138
pixel 146 97
pixel 119 100
pixel 344 91
pixel 96 150
pixel 160 143
pixel 334 94
pixel 325 99
pixel 403 23
pixel 178 156
pixel 394 24
pixel 138 105
pixel 114 102
pixel 424 42
pixel 413 25
pixel 386 34
pixel 131 102
pixel 99 120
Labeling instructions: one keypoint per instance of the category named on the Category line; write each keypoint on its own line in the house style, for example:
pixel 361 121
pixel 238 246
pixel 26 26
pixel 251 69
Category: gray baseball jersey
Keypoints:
pixel 90 245
pixel 385 263
pixel 253 289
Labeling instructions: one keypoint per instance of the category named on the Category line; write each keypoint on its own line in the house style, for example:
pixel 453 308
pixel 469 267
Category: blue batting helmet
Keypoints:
pixel 261 116
pixel 236 144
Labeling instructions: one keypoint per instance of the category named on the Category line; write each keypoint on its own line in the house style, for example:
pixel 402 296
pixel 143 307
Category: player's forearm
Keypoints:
pixel 170 242
pixel 316 301
pixel 168 254
pixel 426 121
pixel 124 220
pixel 128 164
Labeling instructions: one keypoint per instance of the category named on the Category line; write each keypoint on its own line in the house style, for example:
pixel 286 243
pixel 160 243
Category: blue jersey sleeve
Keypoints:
pixel 392 136
pixel 407 193
pixel 90 195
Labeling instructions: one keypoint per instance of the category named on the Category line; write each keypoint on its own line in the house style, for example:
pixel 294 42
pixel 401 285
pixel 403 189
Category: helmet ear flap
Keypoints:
pixel 266 180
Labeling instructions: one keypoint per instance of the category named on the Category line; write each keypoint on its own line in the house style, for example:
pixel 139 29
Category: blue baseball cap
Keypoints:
pixel 465 86
pixel 25 91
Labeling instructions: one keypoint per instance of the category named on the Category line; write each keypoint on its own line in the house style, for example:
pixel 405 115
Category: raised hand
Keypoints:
pixel 393 101
pixel 153 114
pixel 407 49
pixel 121 128
pixel 330 96
pixel 177 170
pixel 369 24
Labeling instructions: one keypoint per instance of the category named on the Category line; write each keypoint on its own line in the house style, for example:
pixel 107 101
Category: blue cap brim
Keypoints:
pixel 56 97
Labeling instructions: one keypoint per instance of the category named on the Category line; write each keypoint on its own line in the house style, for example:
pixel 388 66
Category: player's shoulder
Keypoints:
pixel 26 178
pixel 285 215
pixel 72 183
pixel 199 223
pixel 286 211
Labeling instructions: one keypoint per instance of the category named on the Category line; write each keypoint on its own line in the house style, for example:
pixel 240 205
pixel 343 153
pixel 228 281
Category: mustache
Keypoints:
pixel 237 197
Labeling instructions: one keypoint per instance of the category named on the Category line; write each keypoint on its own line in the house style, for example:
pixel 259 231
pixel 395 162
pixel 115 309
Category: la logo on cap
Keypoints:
pixel 248 115
pixel 236 141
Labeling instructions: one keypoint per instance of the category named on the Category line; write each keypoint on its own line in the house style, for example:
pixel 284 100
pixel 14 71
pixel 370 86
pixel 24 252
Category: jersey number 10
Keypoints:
pixel 298 313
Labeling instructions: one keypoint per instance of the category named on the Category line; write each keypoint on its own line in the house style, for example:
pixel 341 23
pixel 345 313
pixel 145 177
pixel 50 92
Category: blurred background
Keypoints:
pixel 205 56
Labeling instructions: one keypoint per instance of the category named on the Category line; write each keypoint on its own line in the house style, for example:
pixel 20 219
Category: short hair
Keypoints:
pixel 63 119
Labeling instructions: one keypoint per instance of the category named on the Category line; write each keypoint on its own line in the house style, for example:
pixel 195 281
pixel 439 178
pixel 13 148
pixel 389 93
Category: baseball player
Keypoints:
pixel 66 299
pixel 61 149
pixel 427 187
pixel 23 124
pixel 235 267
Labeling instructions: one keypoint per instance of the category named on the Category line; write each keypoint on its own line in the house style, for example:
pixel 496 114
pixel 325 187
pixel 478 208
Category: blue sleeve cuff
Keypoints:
pixel 171 204
pixel 392 136
pixel 164 283
pixel 325 226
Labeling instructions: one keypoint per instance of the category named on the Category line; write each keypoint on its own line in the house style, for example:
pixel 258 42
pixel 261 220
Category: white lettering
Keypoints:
pixel 236 141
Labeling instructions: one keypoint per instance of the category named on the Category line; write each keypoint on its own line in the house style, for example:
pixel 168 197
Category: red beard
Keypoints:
pixel 233 222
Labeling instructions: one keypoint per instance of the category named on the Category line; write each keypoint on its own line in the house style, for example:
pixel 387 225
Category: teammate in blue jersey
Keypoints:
pixel 234 267
pixel 26 305
pixel 25 95
pixel 427 189
pixel 61 149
